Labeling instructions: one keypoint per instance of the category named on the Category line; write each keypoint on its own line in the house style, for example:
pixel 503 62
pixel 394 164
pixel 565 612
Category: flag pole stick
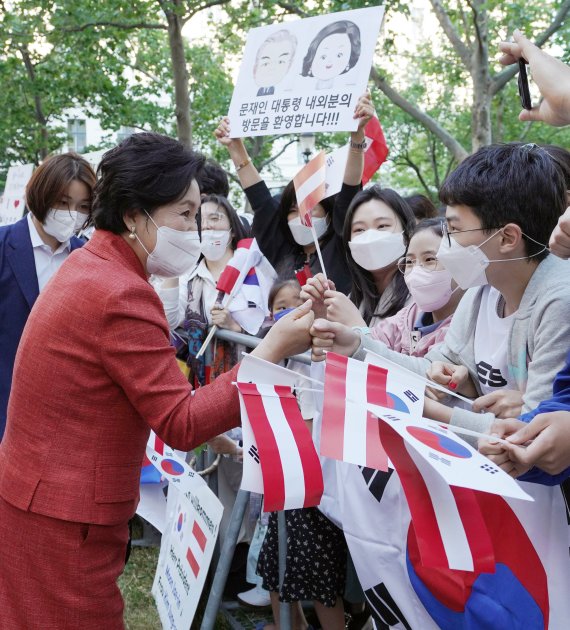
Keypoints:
pixel 427 381
pixel 252 357
pixel 476 434
pixel 214 327
pixel 318 248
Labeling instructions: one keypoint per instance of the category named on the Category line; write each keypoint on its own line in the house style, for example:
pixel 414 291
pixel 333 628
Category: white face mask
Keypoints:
pixel 303 234
pixel 80 221
pixel 175 251
pixel 376 249
pixel 430 290
pixel 215 243
pixel 467 264
pixel 61 224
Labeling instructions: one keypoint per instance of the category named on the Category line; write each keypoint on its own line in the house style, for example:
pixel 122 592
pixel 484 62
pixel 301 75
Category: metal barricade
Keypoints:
pixel 242 501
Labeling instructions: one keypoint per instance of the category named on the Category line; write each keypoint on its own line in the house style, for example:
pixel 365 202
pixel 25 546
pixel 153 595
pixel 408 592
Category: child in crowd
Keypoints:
pixel 434 294
pixel 508 336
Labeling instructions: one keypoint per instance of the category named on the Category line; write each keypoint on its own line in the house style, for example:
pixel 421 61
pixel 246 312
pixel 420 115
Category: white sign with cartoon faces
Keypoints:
pixel 305 75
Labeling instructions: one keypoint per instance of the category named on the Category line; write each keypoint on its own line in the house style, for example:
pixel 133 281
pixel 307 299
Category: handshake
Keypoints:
pixel 299 331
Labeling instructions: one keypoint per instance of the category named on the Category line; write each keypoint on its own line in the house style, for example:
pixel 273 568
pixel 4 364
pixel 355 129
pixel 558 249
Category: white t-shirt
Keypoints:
pixel 491 343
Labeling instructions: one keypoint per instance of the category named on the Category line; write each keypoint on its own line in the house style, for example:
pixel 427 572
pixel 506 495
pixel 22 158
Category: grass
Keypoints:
pixel 135 585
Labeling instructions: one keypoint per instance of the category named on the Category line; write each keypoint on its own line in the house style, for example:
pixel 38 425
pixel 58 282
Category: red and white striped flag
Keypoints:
pixel 290 467
pixel 349 432
pixel 246 256
pixel 450 529
pixel 376 149
pixel 196 549
pixel 310 188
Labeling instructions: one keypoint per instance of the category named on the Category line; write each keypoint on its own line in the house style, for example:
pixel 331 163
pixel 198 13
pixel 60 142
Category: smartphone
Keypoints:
pixel 524 92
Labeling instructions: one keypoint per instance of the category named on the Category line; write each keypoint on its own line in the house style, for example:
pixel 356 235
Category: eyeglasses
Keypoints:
pixel 447 234
pixel 428 262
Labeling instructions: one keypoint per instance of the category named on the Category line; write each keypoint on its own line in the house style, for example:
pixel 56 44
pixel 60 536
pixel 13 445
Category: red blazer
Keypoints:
pixel 94 370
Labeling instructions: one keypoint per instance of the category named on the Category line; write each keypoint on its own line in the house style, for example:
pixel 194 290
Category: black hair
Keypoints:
pixel 146 171
pixel 213 179
pixel 363 292
pixel 433 224
pixel 511 183
pixel 279 284
pixel 236 226
pixel 562 158
pixel 340 27
pixel 422 207
pixel 287 200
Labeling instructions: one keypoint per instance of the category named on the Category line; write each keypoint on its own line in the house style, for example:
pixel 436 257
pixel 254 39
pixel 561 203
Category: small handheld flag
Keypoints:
pixel 310 189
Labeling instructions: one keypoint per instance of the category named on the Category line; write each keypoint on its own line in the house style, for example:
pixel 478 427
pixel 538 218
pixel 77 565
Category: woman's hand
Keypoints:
pixel 222 318
pixel 504 403
pixel 334 337
pixel 363 112
pixel 287 337
pixel 222 133
pixel 455 377
pixel 340 309
pixel 314 290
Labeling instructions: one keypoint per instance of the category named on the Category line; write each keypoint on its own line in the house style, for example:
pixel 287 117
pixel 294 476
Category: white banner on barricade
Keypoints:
pixel 193 517
pixel 305 75
pixel 13 200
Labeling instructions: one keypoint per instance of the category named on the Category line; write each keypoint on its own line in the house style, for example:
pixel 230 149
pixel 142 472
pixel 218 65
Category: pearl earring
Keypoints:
pixel 132 235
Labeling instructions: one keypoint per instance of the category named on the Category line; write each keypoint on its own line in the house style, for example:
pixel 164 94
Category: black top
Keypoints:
pixel 280 249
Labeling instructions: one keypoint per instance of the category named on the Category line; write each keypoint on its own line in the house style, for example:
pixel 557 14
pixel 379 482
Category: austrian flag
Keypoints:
pixel 290 467
pixel 349 431
pixel 310 188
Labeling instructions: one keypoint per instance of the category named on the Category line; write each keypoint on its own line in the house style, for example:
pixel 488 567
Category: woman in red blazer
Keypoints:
pixel 94 372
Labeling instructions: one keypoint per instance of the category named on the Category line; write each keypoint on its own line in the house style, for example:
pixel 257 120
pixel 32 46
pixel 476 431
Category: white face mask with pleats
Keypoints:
pixel 303 235
pixel 61 224
pixel 175 252
pixel 376 249
pixel 215 243
pixel 467 264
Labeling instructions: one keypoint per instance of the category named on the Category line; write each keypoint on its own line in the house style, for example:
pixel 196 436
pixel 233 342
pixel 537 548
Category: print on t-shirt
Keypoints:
pixel 491 344
pixel 490 376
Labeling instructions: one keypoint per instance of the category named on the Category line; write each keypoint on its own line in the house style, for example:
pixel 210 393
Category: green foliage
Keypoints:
pixel 112 60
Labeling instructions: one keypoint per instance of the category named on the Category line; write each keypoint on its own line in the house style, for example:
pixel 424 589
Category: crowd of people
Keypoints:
pixel 473 295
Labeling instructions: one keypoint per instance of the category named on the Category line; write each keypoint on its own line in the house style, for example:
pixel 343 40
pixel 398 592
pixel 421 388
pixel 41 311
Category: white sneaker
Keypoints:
pixel 257 597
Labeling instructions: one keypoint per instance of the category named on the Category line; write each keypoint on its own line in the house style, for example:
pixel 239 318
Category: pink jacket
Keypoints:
pixel 399 334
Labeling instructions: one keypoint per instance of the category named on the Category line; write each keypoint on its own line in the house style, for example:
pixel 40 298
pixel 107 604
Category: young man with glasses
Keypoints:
pixel 509 335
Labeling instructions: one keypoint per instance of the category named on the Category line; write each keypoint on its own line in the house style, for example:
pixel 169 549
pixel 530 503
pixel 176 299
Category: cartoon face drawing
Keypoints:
pixel 334 51
pixel 332 56
pixel 273 60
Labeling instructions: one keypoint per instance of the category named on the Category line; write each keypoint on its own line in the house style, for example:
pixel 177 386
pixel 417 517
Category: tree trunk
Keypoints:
pixel 481 130
pixel 180 72
pixel 43 144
